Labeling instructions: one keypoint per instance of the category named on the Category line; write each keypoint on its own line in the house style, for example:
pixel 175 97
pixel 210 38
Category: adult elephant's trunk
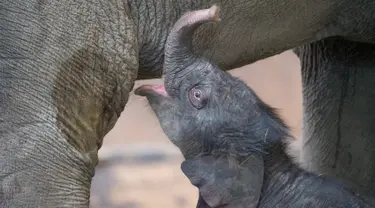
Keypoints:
pixel 178 49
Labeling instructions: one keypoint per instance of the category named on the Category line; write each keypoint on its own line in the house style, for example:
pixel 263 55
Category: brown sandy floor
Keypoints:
pixel 140 168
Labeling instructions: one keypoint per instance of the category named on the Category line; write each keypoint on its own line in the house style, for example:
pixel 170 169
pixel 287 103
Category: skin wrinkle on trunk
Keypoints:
pixel 175 65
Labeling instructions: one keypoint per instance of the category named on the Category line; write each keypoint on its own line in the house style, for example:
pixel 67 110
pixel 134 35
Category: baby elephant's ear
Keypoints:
pixel 223 182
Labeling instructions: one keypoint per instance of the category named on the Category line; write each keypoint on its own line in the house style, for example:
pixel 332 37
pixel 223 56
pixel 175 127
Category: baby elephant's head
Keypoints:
pixel 203 109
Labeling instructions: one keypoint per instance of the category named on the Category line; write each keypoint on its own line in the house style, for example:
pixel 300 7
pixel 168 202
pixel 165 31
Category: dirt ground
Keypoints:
pixel 140 168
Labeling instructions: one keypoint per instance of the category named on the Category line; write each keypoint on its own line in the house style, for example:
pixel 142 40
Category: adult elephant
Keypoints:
pixel 67 67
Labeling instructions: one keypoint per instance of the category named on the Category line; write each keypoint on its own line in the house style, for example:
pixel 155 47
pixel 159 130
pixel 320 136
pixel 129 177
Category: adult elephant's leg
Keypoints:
pixel 66 70
pixel 338 139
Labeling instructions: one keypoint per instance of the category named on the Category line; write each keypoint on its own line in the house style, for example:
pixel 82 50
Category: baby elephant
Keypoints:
pixel 234 144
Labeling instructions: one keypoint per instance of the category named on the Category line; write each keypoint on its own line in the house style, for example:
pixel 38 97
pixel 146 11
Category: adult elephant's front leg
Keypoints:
pixel 339 111
pixel 66 71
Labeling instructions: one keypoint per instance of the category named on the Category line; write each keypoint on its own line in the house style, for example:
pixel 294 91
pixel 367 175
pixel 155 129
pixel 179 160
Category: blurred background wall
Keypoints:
pixel 140 168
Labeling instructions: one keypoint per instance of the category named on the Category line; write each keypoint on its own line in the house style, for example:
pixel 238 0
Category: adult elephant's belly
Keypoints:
pixel 339 111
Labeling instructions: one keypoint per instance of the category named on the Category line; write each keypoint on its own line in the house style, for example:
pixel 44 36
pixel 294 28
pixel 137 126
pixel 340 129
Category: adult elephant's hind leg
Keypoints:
pixel 338 80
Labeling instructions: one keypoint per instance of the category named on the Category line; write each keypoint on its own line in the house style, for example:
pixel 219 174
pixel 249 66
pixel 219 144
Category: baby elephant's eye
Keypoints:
pixel 197 94
pixel 198 97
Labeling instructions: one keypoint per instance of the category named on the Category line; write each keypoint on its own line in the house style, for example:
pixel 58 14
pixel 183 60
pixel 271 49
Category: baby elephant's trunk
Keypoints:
pixel 178 48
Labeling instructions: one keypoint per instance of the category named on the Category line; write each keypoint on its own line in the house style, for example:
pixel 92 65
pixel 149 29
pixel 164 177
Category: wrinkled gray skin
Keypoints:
pixel 228 134
pixel 67 67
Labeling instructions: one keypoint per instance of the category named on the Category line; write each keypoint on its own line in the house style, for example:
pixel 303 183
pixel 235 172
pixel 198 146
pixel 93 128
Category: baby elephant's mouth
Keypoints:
pixel 145 90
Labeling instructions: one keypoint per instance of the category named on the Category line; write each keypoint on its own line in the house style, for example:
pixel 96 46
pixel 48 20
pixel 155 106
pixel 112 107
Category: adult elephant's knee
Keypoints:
pixel 338 111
